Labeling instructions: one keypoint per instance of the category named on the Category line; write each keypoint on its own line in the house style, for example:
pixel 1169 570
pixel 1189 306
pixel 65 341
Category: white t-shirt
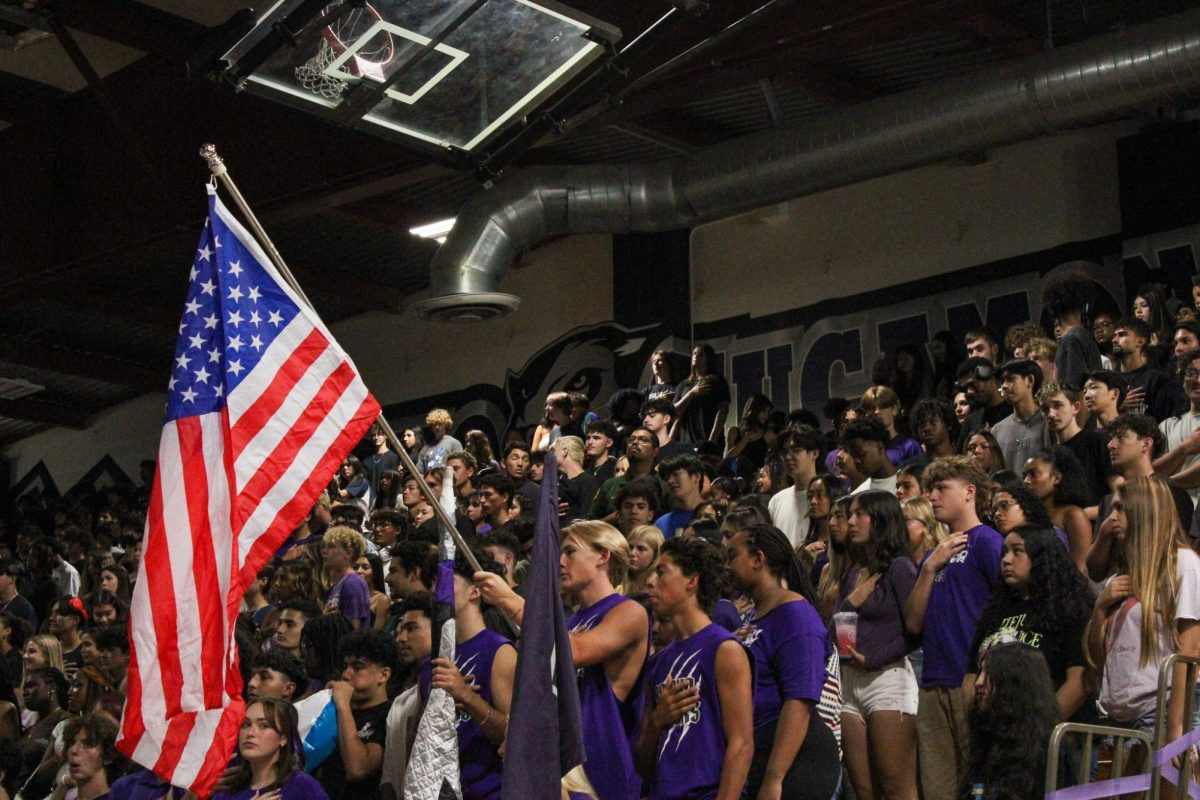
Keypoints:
pixel 877 484
pixel 1176 429
pixel 1128 690
pixel 789 513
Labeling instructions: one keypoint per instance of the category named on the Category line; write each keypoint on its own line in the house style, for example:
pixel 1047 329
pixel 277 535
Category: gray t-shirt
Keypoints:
pixel 435 455
pixel 1019 441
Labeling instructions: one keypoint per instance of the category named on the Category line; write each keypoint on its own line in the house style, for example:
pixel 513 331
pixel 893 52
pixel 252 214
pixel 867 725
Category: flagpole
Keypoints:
pixel 216 165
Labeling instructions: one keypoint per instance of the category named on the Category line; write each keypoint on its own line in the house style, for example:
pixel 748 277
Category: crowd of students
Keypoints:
pixel 984 544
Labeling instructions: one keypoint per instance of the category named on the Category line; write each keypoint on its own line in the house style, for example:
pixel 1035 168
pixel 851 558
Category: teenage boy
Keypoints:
pixel 1060 406
pixel 684 476
pixel 413 569
pixel 983 343
pixel 415 637
pixel 480 679
pixel 1022 434
pixel 495 499
pixel 953 586
pixel 977 379
pixel 598 445
pixel 11 602
pixel 441 443
pixel 276 674
pixel 1186 338
pixel 1134 443
pixel 380 460
pixel 350 595
pixel 463 467
pixel 936 427
pixel 865 440
pixel 1066 298
pixel 293 614
pixel 112 653
pixel 360 699
pixel 505 549
pixel 67 620
pixel 1183 446
pixel 801 447
pixel 1151 391
pixel 657 417
pixel 637 504
pixel 1104 394
pixel 641 450
pixel 517 461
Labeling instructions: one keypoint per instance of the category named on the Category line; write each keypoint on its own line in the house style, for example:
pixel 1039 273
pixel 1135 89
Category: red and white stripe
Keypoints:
pixel 230 487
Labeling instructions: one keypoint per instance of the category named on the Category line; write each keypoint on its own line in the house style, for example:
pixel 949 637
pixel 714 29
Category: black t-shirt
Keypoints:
pixel 657 390
pixel 371 725
pixel 672 449
pixel 1091 448
pixel 21 607
pixel 1164 395
pixel 577 493
pixel 1062 645
pixel 375 465
pixel 697 420
pixel 604 471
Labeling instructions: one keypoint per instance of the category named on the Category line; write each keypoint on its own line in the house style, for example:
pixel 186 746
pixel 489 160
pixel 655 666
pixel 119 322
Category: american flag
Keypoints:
pixel 262 406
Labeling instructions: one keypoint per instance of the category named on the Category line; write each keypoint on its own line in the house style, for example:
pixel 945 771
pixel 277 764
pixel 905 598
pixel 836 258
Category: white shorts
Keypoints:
pixel 893 688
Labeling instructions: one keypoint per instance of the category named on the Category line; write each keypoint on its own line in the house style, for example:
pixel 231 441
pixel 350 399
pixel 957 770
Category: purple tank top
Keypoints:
pixel 480 765
pixel 692 751
pixel 609 725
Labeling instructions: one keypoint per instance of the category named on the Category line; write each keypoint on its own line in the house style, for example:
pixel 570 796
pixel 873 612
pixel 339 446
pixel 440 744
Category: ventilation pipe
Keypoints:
pixel 1083 84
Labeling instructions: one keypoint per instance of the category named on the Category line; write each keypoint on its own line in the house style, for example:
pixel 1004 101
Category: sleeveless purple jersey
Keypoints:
pixel 609 724
pixel 479 760
pixel 692 751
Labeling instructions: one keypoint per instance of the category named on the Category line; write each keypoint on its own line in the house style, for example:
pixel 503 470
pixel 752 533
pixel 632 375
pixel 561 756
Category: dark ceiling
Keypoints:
pixel 100 126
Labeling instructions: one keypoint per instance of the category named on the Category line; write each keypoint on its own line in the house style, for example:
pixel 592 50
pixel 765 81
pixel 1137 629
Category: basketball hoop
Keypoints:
pixel 336 38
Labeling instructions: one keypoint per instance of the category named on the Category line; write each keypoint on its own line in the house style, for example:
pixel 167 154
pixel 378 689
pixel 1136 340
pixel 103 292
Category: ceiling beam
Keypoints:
pixel 132 24
pixel 84 365
pixel 677 130
pixel 787 49
pixel 823 86
pixel 50 413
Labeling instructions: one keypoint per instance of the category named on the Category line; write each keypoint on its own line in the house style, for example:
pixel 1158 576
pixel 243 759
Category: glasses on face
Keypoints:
pixel 1001 506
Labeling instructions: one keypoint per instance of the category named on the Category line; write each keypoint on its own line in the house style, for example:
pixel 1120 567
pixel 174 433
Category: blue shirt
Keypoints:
pixel 674 522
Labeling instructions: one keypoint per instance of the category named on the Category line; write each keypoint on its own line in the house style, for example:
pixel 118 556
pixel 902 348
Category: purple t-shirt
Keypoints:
pixel 692 751
pixel 901 448
pixel 350 597
pixel 298 786
pixel 790 646
pixel 881 637
pixel 480 765
pixel 609 724
pixel 960 591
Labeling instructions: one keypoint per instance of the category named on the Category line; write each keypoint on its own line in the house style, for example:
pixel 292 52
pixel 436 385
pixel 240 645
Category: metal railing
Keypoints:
pixel 1166 674
pixel 1160 764
pixel 1123 741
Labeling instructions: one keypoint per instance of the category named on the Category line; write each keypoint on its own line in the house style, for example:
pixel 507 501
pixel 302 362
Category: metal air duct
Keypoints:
pixel 1072 86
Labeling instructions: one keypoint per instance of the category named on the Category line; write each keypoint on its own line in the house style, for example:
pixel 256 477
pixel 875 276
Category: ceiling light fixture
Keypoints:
pixel 434 230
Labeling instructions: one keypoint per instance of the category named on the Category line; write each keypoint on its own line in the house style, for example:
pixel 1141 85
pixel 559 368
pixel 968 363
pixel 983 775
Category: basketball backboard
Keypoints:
pixel 446 74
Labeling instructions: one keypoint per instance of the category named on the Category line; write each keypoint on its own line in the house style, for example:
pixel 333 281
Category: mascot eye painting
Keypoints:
pixel 586 380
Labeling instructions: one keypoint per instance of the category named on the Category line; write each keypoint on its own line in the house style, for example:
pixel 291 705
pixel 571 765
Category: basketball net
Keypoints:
pixel 313 74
